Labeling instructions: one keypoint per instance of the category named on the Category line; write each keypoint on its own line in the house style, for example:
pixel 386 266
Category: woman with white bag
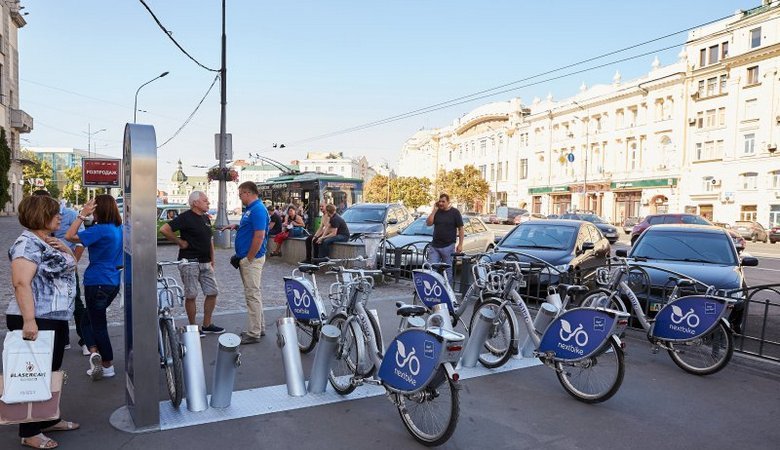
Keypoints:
pixel 43 276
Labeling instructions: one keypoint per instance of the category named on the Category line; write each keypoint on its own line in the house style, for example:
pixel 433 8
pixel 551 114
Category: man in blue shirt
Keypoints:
pixel 251 241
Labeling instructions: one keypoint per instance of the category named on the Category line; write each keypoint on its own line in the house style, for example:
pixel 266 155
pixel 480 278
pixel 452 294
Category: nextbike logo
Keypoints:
pixel 690 318
pixel 406 361
pixel 578 334
pixel 300 300
pixel 431 291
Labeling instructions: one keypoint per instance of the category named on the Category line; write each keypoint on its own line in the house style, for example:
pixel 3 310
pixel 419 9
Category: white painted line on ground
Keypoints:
pixel 762 268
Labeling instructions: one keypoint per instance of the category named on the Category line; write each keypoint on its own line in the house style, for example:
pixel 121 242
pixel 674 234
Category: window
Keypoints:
pixel 723 79
pixel 755 37
pixel 721 117
pixel 712 83
pixel 752 75
pixel 751 111
pixel 748 213
pixel 702 57
pixel 619 116
pixel 710 122
pixel 700 91
pixel 709 150
pixel 523 169
pixel 699 151
pixel 724 50
pixel 748 181
pixel 524 139
pixel 506 170
pixel 707 184
pixel 492 172
pixel 750 144
pixel 700 119
pixel 714 54
pixel 482 147
pixel 500 174
pixel 483 171
pixel 330 169
pixel 775 179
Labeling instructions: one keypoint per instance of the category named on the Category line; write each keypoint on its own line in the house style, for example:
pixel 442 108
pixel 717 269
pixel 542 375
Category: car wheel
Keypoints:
pixel 633 240
pixel 754 238
pixel 765 240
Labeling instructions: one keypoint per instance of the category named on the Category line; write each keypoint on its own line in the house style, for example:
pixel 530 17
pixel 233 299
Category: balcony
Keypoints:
pixel 21 121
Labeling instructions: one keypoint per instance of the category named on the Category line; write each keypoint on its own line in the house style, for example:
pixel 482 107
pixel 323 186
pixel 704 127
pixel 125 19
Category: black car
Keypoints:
pixel 703 252
pixel 607 229
pixel 570 246
pixel 774 234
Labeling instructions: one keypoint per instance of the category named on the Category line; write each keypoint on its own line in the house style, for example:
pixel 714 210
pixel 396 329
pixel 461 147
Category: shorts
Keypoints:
pixel 192 274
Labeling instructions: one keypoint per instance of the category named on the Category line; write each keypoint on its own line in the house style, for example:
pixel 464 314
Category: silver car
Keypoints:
pixel 410 244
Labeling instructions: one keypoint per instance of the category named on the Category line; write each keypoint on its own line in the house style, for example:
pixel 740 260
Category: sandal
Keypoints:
pixel 62 425
pixel 39 441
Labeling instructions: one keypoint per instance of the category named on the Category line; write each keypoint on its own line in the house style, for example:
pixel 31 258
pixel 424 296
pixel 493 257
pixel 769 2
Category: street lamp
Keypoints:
pixel 135 103
pixel 89 134
pixel 587 144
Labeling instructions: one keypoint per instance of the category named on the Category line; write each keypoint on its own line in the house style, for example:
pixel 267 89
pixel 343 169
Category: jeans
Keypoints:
pixel 79 312
pixel 312 247
pixel 94 327
pixel 324 250
pixel 251 276
pixel 442 254
pixel 60 328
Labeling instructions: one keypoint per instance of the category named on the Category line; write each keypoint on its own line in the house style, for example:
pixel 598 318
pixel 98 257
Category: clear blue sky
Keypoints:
pixel 300 69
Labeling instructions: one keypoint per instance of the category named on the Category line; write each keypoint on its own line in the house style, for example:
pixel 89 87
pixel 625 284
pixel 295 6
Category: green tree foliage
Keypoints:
pixel 375 191
pixel 39 169
pixel 464 186
pixel 412 191
pixel 69 192
pixel 5 166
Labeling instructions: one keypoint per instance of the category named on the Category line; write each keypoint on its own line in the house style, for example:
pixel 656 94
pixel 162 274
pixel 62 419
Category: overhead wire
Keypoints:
pixel 187 121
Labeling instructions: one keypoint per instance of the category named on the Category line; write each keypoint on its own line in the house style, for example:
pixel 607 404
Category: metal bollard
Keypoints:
pixel 287 340
pixel 440 317
pixel 228 360
pixel 546 314
pixel 194 376
pixel 323 359
pixel 477 338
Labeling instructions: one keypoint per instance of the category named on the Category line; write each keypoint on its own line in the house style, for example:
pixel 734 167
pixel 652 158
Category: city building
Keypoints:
pixel 698 135
pixel 12 119
pixel 337 163
pixel 61 159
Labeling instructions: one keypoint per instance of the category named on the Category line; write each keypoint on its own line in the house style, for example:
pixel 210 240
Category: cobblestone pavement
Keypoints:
pixel 231 296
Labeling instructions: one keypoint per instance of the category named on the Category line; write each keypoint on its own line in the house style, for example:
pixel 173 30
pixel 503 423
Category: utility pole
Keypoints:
pixel 587 144
pixel 223 239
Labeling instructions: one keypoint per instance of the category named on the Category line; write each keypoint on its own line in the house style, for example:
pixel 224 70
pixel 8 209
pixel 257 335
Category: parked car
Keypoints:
pixel 166 213
pixel 565 244
pixel 629 224
pixel 374 217
pixel 416 237
pixel 520 218
pixel 751 230
pixel 739 241
pixel 507 215
pixel 774 234
pixel 607 229
pixel 659 219
pixel 490 218
pixel 703 252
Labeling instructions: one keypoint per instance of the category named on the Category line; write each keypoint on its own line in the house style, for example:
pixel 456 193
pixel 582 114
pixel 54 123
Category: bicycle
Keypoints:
pixel 691 328
pixel 419 376
pixel 169 347
pixel 581 344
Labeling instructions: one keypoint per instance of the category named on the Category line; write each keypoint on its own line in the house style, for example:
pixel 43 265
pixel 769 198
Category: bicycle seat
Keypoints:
pixel 391 270
pixel 308 268
pixel 320 260
pixel 405 310
pixel 572 289
pixel 440 267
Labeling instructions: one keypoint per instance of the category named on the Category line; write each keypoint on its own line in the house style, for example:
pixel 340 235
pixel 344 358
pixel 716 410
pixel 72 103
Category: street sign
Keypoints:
pixel 100 172
pixel 570 157
pixel 228 146
pixel 39 182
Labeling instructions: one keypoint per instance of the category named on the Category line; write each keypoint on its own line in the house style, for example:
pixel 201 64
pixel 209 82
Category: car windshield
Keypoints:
pixel 364 215
pixel 418 228
pixel 708 248
pixel 592 218
pixel 529 235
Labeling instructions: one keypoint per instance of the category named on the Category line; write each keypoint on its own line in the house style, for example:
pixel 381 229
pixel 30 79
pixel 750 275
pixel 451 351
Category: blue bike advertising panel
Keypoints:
pixel 410 361
pixel 577 333
pixel 432 289
pixel 688 317
pixel 303 303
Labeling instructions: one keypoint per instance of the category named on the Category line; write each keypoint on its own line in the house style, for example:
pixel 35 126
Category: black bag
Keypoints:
pixel 234 261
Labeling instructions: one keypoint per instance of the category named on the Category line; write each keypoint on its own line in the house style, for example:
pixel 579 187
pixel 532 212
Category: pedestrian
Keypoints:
pixel 43 277
pixel 447 229
pixel 101 279
pixel 293 226
pixel 251 242
pixel 312 243
pixel 276 221
pixel 337 231
pixel 196 245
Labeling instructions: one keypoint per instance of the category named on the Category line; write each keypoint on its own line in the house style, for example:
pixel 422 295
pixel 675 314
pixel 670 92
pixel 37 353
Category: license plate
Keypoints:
pixel 655 307
pixel 611 234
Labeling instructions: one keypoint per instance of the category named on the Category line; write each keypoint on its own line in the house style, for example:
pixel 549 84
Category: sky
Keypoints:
pixel 297 70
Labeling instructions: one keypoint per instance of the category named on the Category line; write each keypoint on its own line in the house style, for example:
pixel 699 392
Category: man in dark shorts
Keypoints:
pixel 275 226
pixel 447 226
pixel 197 246
pixel 337 231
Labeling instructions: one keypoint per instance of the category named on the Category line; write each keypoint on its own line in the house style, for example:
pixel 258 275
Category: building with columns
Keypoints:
pixel 699 135
pixel 337 163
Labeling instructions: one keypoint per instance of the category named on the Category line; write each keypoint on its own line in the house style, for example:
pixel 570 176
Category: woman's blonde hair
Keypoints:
pixel 37 211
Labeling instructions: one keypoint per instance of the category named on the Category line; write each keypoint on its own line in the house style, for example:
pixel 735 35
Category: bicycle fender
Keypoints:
pixel 688 317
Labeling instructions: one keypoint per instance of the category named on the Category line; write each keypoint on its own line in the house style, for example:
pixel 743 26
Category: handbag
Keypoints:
pixel 296 232
pixel 34 411
pixel 27 366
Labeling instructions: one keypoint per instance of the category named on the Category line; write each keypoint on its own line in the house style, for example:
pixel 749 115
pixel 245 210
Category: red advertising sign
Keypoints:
pixel 100 172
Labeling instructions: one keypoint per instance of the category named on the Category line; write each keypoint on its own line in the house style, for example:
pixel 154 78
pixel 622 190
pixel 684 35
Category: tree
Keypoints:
pixel 412 191
pixel 5 166
pixel 69 192
pixel 464 186
pixel 375 190
pixel 40 169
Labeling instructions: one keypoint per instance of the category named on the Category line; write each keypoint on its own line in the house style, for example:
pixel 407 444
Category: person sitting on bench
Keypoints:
pixel 337 231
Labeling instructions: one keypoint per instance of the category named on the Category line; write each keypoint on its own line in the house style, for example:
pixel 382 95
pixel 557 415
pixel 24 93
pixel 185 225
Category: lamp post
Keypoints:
pixel 89 134
pixel 222 239
pixel 135 103
pixel 587 144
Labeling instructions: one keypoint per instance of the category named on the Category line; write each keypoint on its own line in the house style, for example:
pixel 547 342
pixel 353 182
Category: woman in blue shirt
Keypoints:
pixel 103 240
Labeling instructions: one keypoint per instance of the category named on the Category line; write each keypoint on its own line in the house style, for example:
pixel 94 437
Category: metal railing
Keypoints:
pixel 758 331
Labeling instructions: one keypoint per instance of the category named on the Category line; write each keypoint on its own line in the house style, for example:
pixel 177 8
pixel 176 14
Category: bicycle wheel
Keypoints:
pixel 501 338
pixel 705 355
pixel 349 354
pixel 603 298
pixel 594 379
pixel 308 334
pixel 431 415
pixel 172 362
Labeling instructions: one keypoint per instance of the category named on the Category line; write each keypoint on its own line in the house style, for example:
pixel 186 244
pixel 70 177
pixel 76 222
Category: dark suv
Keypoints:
pixel 374 217
pixel 658 219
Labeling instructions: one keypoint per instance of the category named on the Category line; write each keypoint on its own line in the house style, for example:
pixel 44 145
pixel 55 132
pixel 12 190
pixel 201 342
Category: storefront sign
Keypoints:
pixel 100 172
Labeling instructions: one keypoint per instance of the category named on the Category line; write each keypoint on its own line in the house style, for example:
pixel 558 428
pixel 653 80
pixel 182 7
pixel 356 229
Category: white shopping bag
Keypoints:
pixel 27 367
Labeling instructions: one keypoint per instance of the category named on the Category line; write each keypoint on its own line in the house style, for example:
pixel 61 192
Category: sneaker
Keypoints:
pixel 202 333
pixel 85 350
pixel 247 339
pixel 108 372
pixel 67 346
pixel 95 367
pixel 212 329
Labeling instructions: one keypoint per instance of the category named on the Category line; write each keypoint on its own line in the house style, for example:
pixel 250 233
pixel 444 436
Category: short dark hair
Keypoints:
pixel 444 196
pixel 250 186
pixel 330 208
pixel 106 210
pixel 41 192
pixel 36 211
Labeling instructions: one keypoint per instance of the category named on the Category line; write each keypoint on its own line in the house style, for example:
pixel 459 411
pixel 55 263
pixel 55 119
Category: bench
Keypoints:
pixel 294 250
